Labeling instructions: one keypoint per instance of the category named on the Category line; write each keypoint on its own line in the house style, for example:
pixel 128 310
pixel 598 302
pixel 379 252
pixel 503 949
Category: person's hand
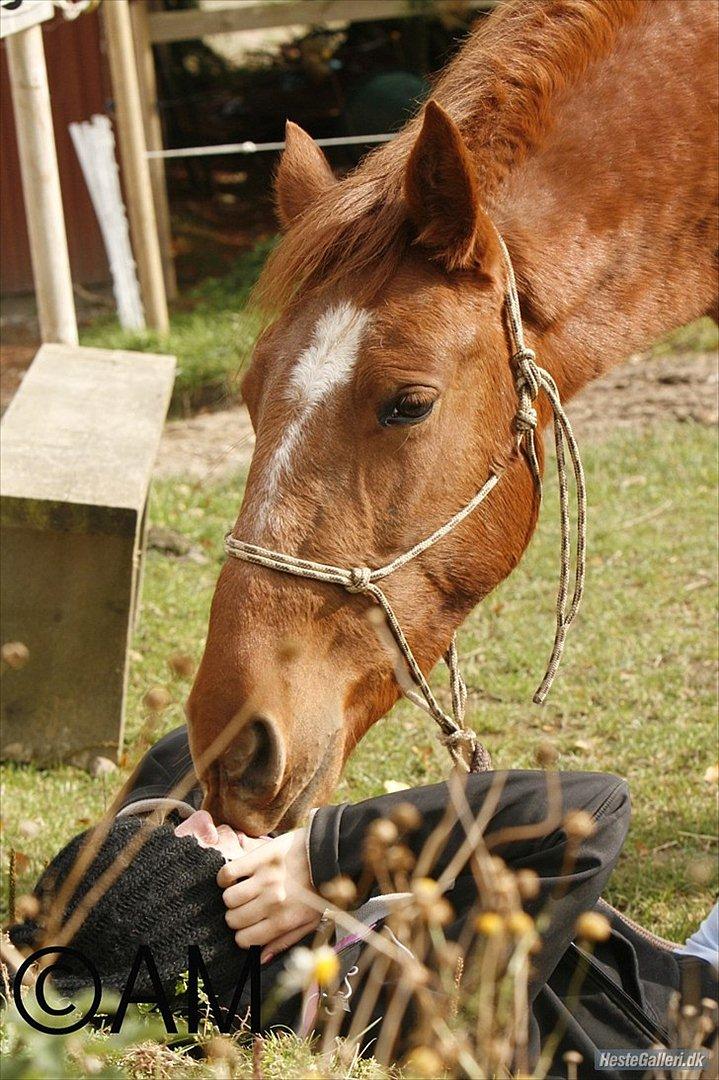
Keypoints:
pixel 262 894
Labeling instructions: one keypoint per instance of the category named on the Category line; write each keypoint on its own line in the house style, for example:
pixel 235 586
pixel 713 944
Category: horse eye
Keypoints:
pixel 406 409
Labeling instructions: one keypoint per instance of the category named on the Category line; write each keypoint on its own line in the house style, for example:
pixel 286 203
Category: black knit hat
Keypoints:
pixel 166 898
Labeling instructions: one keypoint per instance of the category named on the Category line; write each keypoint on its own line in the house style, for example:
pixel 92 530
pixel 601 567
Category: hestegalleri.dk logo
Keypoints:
pixel 690 1060
pixel 196 1005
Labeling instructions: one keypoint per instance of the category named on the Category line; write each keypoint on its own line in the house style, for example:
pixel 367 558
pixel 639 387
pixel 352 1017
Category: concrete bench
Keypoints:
pixel 77 446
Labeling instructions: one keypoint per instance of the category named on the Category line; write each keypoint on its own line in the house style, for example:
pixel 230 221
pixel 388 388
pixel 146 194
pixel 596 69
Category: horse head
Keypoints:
pixel 381 400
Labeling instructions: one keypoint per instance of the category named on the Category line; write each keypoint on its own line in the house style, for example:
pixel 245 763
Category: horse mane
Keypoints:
pixel 499 90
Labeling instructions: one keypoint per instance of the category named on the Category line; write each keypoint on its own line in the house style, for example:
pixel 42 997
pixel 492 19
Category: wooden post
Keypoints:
pixel 153 138
pixel 135 167
pixel 41 186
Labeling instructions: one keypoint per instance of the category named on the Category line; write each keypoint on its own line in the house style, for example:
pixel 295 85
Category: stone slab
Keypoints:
pixel 81 435
pixel 78 444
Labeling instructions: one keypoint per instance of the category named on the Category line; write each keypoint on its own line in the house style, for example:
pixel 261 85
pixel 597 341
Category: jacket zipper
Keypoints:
pixel 621 998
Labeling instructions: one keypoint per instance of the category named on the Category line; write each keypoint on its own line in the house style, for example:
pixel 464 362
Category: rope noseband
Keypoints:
pixel 461 741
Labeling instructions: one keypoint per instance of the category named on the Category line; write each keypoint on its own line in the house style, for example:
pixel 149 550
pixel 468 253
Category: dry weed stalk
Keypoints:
pixel 461 1005
pixel 446 997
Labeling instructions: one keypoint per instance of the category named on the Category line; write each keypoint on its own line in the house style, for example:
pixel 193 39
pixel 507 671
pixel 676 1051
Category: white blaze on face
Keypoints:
pixel 327 362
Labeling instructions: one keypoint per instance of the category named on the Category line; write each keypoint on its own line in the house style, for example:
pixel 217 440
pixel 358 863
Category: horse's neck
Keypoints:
pixel 612 222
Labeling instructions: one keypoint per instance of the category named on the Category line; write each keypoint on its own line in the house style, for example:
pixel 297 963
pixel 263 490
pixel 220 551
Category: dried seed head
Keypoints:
pixel 440 912
pixel 326 965
pixel 27 907
pixel 527 883
pixel 157 699
pixel 406 817
pixel 424 1062
pixel 15 654
pixel 340 891
pixel 400 859
pixel 426 890
pixel 383 831
pixel 489 923
pixel 546 754
pixel 520 924
pixel 578 825
pixel 591 926
pixel 182 665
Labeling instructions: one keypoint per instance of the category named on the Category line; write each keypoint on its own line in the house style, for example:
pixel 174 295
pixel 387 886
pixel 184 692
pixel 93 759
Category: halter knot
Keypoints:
pixel 360 579
pixel 528 376
pixel 526 417
pixel 463 744
pixel 462 735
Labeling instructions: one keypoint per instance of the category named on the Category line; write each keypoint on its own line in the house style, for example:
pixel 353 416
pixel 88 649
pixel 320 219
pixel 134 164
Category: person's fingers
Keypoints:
pixel 201 826
pixel 288 939
pixel 229 842
pixel 242 892
pixel 266 905
pixel 259 934
pixel 249 843
pixel 246 865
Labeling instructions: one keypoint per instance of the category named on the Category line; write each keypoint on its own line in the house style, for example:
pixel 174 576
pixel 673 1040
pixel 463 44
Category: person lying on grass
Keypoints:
pixel 423 901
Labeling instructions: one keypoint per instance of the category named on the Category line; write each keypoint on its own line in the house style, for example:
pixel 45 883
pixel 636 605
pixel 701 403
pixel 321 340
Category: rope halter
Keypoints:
pixel 530 379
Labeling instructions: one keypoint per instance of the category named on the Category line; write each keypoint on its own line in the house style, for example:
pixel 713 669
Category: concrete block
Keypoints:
pixel 77 447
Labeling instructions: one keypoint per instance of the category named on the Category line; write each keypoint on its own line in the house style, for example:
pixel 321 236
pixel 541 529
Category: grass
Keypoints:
pixel 699 336
pixel 636 694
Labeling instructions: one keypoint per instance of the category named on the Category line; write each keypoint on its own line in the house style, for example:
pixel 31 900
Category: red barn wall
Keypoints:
pixel 78 89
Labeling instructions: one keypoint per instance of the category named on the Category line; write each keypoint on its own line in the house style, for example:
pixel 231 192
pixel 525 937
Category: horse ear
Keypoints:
pixel 441 191
pixel 302 175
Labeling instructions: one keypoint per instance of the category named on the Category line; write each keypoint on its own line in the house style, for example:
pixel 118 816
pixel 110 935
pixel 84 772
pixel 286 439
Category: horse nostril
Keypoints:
pixel 255 763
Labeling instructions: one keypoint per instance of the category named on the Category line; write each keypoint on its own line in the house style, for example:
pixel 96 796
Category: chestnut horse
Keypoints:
pixel 382 394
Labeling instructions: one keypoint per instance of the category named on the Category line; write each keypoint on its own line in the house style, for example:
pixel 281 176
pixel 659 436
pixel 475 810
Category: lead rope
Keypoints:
pixel 530 379
pixel 462 743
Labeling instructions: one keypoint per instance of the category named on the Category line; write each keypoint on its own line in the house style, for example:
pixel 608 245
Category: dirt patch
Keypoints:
pixel 681 386
pixel 642 390
pixel 14 362
pixel 207 446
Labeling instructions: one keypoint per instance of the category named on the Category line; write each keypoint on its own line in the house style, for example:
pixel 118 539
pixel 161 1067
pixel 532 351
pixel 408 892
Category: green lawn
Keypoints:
pixel 636 694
